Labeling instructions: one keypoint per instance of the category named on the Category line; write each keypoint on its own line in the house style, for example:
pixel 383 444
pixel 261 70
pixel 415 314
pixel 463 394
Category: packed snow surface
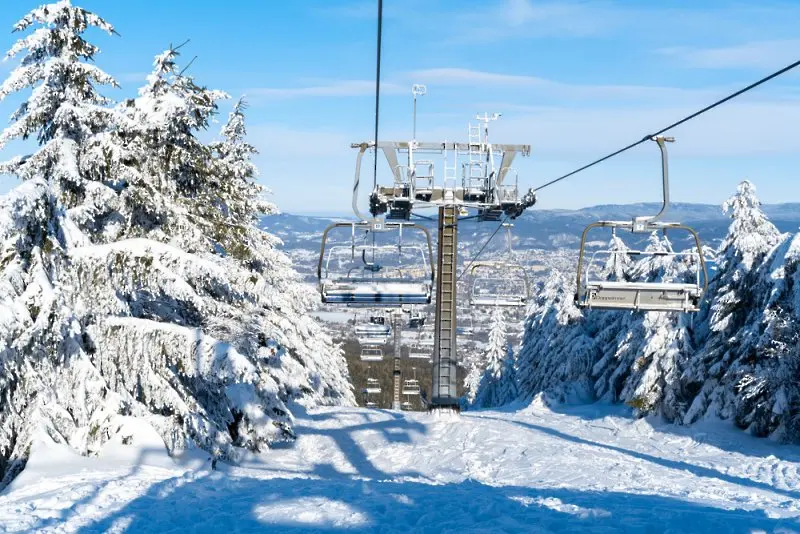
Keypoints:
pixel 587 469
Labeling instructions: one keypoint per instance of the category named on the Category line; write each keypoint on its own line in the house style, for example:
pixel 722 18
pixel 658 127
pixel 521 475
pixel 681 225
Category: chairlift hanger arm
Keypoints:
pixel 661 141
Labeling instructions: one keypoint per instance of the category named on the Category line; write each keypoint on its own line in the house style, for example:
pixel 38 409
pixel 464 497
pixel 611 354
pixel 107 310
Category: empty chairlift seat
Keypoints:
pixel 683 294
pixel 464 323
pixel 376 264
pixel 371 354
pixel 501 282
pixel 418 351
pixel 410 387
pixel 666 295
pixel 375 331
pixel 373 386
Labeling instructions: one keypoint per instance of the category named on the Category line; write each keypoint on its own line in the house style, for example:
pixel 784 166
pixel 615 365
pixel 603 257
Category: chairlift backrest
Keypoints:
pixel 371 354
pixel 360 271
pixel 502 282
pixel 499 283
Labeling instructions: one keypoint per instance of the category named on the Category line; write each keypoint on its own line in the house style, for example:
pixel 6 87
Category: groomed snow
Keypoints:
pixel 587 469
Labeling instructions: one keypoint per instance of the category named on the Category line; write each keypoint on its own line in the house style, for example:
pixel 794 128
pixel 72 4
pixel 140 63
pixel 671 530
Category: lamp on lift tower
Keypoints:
pixel 417 90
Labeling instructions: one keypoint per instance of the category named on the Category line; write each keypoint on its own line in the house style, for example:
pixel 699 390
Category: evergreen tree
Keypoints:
pixel 725 324
pixel 556 355
pixel 474 365
pixel 498 382
pixel 43 347
pixel 134 280
pixel 664 338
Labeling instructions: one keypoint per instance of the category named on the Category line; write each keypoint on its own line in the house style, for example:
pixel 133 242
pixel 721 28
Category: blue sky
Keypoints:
pixel 573 79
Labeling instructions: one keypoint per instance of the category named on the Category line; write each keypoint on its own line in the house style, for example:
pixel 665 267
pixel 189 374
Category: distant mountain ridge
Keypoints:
pixel 550 228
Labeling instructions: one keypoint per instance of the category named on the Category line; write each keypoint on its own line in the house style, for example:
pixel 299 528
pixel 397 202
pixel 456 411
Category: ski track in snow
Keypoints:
pixel 588 469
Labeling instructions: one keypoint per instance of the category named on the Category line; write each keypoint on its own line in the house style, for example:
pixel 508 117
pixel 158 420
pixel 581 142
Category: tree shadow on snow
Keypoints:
pixel 719 433
pixel 704 472
pixel 75 509
pixel 218 503
pixel 371 500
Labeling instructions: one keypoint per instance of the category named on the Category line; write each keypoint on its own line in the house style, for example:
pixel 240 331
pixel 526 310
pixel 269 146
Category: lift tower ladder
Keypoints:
pixel 444 350
pixel 396 369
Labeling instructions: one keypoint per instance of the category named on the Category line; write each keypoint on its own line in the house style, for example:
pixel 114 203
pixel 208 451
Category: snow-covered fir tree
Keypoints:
pixel 733 375
pixel 134 280
pixel 474 365
pixel 498 383
pixel 650 381
pixel 556 355
pixel 47 378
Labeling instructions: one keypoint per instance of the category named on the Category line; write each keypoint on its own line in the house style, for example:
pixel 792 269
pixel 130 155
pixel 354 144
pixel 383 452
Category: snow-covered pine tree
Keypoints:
pixel 126 292
pixel 46 379
pixel 613 333
pixel 728 327
pixel 556 355
pixel 498 383
pixel 768 390
pixel 474 365
pixel 651 381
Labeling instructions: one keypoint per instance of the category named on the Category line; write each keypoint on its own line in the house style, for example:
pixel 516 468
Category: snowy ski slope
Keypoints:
pixel 587 469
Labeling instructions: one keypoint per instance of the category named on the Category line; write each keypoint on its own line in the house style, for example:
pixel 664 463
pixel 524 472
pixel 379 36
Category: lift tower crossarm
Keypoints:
pixel 426 146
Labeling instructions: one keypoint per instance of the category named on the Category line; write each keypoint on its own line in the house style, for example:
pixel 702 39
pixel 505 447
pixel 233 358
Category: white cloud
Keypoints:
pixel 527 19
pixel 280 141
pixel 756 55
pixel 734 130
pixel 342 88
pixel 584 92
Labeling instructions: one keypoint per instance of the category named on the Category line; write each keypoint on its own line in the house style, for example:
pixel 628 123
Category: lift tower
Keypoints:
pixel 476 177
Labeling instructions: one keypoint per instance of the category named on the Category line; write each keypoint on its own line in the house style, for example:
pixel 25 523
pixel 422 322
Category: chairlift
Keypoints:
pixel 371 354
pixel 359 271
pixel 595 293
pixel 464 322
pixel 425 337
pixel 407 406
pixel 410 387
pixel 373 331
pixel 416 319
pixel 502 282
pixel 371 404
pixel 373 386
pixel 419 351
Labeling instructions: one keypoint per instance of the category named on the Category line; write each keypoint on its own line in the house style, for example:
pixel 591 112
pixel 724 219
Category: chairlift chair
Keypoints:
pixel 373 386
pixel 374 331
pixel 371 404
pixel 410 387
pixel 361 272
pixel 464 322
pixel 406 405
pixel 371 354
pixel 499 282
pixel 418 351
pixel 596 293
pixel 416 319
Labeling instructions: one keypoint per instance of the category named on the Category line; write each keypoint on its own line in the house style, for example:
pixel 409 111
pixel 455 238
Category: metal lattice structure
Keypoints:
pixel 475 176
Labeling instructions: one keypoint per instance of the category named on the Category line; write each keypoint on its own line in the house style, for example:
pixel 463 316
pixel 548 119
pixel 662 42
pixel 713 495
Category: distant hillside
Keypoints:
pixel 549 229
